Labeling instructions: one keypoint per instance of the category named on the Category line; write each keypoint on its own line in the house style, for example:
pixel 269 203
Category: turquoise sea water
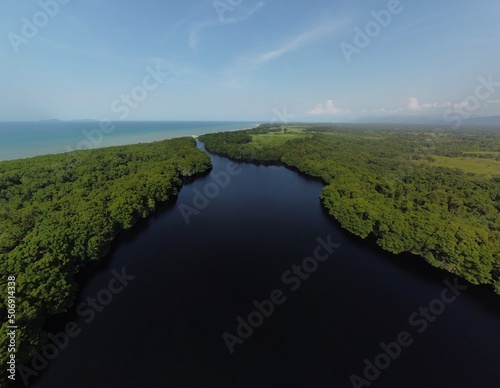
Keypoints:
pixel 27 139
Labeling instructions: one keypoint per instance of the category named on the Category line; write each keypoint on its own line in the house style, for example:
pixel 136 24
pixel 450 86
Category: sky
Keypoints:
pixel 255 60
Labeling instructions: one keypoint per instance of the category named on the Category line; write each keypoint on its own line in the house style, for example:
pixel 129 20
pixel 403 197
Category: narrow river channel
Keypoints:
pixel 263 289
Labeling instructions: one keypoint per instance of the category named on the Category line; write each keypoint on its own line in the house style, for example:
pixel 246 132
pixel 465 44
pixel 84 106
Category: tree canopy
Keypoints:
pixel 58 212
pixel 385 183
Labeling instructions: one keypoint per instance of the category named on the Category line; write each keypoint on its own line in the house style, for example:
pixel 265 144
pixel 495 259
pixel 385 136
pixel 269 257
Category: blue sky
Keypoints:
pixel 248 60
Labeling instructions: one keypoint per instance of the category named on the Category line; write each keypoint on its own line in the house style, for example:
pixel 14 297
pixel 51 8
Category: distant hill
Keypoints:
pixel 484 121
pixel 402 120
pixel 489 121
pixel 71 121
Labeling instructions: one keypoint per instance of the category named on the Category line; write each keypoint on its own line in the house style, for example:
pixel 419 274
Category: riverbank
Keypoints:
pixel 374 188
pixel 59 212
pixel 198 278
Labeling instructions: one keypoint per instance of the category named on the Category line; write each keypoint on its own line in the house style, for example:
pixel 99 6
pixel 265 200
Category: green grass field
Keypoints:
pixel 478 166
pixel 275 139
pixel 483 152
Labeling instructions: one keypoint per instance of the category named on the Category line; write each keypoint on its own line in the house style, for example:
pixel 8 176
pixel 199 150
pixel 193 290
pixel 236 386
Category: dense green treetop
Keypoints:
pixel 58 212
pixel 433 193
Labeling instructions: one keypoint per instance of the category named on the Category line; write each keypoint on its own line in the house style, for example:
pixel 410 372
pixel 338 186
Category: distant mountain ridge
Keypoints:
pixel 490 121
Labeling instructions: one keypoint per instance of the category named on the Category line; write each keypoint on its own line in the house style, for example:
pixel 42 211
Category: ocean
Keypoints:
pixel 26 139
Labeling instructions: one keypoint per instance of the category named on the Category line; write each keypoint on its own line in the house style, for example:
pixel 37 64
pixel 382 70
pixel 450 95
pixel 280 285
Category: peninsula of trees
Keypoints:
pixel 58 212
pixel 432 193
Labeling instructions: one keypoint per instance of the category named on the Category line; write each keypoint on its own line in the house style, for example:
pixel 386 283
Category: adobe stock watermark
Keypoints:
pixel 281 116
pixel 483 92
pixel 127 102
pixel 211 190
pixel 364 36
pixel 32 26
pixel 292 279
pixel 420 321
pixel 88 310
pixel 224 6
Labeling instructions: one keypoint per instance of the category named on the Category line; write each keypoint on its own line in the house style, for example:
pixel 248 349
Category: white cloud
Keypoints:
pixel 328 109
pixel 385 111
pixel 414 104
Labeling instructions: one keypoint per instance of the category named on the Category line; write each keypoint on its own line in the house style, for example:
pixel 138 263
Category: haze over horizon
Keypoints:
pixel 249 60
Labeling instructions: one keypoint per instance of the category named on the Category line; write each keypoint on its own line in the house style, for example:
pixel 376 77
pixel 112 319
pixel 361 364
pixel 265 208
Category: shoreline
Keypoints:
pixel 96 144
pixel 237 156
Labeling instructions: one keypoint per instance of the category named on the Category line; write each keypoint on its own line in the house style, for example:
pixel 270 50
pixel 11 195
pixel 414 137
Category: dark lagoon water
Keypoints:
pixel 192 282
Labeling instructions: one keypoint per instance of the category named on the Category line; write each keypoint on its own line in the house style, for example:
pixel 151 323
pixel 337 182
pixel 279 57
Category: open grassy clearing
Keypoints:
pixel 483 152
pixel 275 139
pixel 371 137
pixel 294 128
pixel 478 166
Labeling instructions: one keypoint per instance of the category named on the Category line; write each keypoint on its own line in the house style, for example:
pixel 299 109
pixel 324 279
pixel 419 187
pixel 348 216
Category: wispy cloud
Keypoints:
pixel 249 62
pixel 246 14
pixel 198 28
pixel 173 30
pixel 294 44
